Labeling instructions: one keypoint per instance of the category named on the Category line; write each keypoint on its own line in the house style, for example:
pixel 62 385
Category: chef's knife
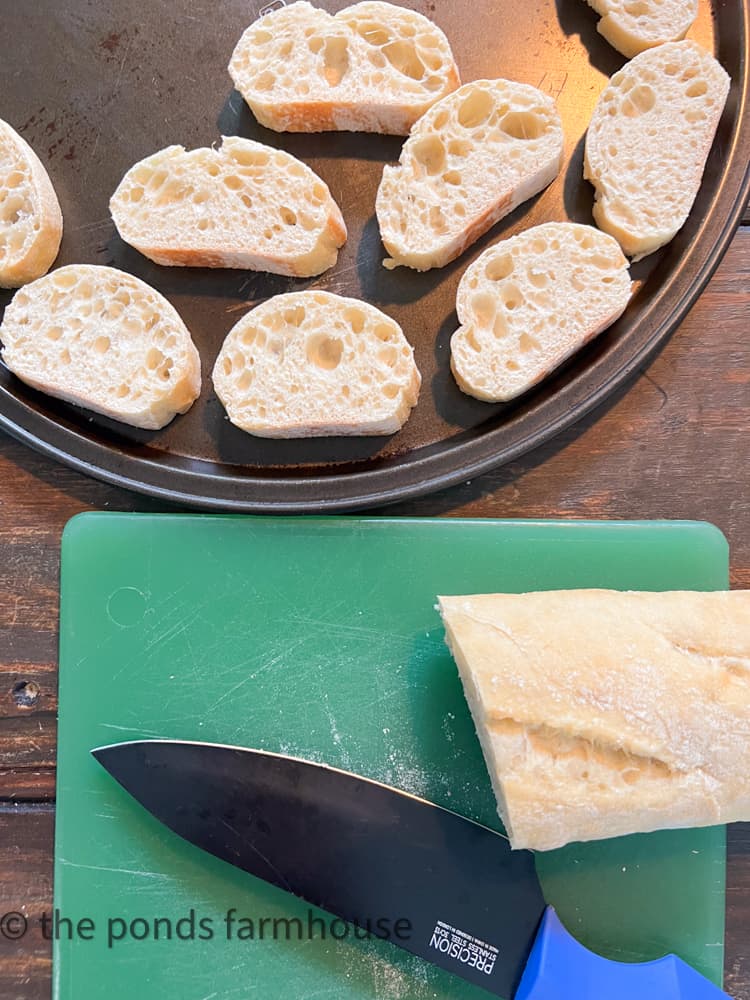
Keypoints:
pixel 440 886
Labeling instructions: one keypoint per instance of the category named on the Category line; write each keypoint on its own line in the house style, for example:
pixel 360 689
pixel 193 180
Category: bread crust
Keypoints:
pixel 39 255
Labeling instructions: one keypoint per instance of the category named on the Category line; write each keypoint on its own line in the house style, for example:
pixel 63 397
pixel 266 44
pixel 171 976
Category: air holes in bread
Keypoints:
pixel 388 355
pixel 499 267
pixel 475 109
pixel 324 351
pixel 373 34
pixel 295 316
pixel 523 125
pixel 460 147
pixel 65 279
pixel 335 60
pixel 356 320
pixel 527 343
pixel 429 152
pixel 697 88
pixel 245 380
pixel 403 57
pixel 265 80
pixel 639 101
pixel 484 308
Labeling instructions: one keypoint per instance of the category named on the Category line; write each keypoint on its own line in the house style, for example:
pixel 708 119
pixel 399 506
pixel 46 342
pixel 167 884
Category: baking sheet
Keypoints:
pixel 95 85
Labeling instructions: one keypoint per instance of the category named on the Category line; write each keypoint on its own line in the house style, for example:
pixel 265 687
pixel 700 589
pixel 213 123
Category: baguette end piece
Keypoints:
pixel 605 713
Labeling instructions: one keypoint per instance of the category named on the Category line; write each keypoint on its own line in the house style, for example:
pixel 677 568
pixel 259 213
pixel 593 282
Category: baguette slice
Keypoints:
pixel 243 205
pixel 528 303
pixel 631 26
pixel 313 364
pixel 372 67
pixel 30 217
pixel 102 339
pixel 603 713
pixel 648 141
pixel 469 161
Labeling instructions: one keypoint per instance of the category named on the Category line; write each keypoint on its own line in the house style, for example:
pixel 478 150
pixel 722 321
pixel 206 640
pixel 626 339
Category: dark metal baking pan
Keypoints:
pixel 95 85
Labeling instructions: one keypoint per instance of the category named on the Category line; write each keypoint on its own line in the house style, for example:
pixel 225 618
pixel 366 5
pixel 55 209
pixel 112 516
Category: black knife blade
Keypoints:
pixel 430 881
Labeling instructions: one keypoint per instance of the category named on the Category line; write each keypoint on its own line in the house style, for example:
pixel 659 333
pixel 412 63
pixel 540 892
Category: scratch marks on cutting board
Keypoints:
pixel 142 733
pixel 158 876
pixel 265 662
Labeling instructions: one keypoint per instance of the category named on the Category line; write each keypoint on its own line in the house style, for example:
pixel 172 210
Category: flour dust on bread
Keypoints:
pixel 243 205
pixel 469 161
pixel 631 26
pixel 30 218
pixel 372 67
pixel 314 364
pixel 603 713
pixel 104 340
pixel 529 302
pixel 648 141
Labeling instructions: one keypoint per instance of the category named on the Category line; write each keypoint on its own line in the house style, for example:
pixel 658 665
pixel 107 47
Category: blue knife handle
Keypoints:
pixel 559 968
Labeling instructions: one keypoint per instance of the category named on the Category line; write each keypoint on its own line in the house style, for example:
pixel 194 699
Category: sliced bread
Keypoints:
pixel 243 205
pixel 603 713
pixel 105 340
pixel 469 161
pixel 648 141
pixel 30 218
pixel 372 67
pixel 634 25
pixel 313 364
pixel 529 302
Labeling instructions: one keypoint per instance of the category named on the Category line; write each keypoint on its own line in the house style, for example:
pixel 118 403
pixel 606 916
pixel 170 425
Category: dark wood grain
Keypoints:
pixel 672 444
pixel 26 887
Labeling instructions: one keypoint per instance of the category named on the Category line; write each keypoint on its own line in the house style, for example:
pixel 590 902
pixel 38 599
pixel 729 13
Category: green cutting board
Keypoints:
pixel 318 637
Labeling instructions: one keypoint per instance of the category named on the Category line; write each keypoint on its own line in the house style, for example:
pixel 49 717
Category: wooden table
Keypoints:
pixel 674 444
